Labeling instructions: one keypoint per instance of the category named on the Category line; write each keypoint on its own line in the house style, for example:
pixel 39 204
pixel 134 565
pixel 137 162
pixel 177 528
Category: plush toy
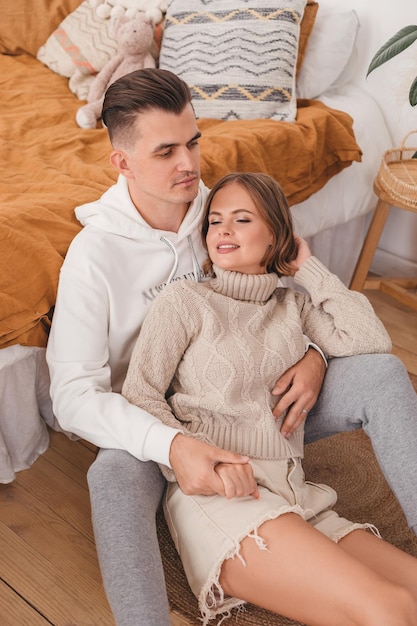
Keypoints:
pixel 135 38
pixel 129 8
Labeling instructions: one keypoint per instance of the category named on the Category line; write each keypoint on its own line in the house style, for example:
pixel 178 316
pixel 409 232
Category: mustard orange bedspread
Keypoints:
pixel 48 166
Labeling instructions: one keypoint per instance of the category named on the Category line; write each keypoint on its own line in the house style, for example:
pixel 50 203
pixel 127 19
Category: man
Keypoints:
pixel 143 233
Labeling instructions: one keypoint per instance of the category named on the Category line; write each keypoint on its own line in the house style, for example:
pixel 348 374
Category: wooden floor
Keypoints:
pixel 401 323
pixel 48 565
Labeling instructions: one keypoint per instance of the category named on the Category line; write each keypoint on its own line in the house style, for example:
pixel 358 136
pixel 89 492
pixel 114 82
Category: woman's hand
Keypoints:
pixel 303 253
pixel 238 480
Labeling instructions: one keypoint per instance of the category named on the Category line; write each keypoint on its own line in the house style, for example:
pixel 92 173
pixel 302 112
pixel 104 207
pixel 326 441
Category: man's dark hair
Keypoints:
pixel 138 92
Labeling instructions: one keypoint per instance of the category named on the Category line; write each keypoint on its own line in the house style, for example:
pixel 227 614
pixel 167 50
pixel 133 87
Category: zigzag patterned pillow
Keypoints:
pixel 82 43
pixel 238 56
pixel 80 46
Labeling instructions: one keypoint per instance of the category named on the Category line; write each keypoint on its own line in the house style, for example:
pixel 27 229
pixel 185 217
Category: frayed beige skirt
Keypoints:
pixel 207 530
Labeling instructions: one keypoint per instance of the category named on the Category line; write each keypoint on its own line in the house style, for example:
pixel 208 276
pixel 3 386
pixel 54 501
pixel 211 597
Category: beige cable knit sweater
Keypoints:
pixel 220 346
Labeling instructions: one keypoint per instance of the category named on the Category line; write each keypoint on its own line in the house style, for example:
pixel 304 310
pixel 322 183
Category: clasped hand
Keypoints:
pixel 203 469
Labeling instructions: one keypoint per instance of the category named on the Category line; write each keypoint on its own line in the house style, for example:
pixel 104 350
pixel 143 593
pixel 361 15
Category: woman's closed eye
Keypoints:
pixel 240 220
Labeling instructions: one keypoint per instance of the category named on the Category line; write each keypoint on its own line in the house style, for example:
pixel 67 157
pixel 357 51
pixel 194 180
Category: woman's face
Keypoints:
pixel 238 237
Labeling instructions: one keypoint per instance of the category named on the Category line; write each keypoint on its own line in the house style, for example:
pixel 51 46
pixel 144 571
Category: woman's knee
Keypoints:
pixel 395 606
pixel 381 604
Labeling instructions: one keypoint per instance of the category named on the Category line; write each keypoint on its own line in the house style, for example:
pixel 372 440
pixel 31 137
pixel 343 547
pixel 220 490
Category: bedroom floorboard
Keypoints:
pixel 401 323
pixel 49 573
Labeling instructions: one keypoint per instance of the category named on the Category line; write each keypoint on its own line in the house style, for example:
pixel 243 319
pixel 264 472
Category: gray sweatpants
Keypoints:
pixel 372 392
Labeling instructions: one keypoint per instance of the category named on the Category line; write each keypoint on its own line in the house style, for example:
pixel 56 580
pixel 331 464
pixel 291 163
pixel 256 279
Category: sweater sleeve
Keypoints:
pixel 341 321
pixel 163 339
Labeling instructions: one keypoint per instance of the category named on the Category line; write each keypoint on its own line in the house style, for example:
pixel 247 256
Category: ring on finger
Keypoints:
pixel 304 411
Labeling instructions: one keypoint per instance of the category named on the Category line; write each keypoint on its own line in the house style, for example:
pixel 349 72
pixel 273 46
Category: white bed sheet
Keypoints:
pixel 25 409
pixel 349 194
pixel 334 220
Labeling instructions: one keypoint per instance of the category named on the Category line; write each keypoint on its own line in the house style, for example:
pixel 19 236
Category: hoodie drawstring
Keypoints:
pixel 198 273
pixel 174 252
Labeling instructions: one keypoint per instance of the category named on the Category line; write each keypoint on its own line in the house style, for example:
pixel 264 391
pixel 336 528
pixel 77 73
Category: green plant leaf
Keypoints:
pixel 413 93
pixel 396 44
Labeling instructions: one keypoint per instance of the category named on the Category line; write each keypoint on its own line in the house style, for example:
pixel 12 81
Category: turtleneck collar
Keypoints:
pixel 256 288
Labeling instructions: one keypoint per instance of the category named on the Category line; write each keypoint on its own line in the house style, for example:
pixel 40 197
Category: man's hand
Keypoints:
pixel 300 387
pixel 203 469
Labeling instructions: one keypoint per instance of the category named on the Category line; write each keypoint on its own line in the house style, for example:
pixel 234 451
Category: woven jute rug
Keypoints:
pixel 347 463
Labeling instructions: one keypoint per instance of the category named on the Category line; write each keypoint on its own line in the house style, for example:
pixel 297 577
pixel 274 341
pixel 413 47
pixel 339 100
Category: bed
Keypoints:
pixel 325 160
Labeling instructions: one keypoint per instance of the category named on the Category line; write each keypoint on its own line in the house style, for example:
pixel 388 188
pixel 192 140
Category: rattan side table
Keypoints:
pixel 402 289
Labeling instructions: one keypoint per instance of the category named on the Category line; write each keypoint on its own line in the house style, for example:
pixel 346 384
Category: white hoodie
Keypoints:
pixel 113 270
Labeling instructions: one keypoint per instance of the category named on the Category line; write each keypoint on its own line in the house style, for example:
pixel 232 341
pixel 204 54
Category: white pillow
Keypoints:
pixel 330 48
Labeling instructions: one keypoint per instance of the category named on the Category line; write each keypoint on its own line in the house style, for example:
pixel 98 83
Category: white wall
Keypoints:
pixel 389 84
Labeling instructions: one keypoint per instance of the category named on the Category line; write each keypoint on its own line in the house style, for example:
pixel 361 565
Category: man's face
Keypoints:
pixel 163 165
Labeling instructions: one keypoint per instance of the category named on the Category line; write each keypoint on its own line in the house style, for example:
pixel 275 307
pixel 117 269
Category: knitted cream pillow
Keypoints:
pixel 80 46
pixel 238 56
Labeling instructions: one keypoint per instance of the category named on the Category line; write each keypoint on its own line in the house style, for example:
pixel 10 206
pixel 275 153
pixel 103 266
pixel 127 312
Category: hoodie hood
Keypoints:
pixel 115 213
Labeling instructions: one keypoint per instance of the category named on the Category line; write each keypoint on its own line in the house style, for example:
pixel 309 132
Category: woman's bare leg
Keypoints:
pixel 306 576
pixel 393 564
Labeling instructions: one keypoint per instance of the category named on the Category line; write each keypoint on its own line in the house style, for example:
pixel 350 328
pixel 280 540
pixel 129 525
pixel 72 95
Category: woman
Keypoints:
pixel 206 361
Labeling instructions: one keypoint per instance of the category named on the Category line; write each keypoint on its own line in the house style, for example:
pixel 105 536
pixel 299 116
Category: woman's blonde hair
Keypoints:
pixel 272 205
